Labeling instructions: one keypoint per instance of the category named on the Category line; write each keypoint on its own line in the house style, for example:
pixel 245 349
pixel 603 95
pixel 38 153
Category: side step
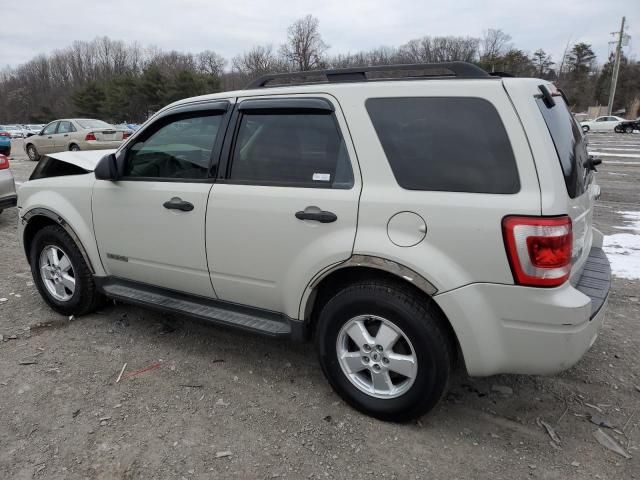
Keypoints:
pixel 215 311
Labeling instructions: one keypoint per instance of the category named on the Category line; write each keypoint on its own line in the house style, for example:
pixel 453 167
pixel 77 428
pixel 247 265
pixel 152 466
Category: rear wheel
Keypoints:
pixel 61 274
pixel 32 153
pixel 585 128
pixel 384 350
pixel 74 148
pixel 628 129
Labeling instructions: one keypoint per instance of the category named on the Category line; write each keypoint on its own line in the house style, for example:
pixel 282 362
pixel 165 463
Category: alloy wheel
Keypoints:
pixel 57 273
pixel 376 356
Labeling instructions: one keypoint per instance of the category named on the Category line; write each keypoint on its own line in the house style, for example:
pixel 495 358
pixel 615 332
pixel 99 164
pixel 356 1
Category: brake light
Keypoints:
pixel 90 136
pixel 126 135
pixel 539 249
pixel 4 162
pixel 5 134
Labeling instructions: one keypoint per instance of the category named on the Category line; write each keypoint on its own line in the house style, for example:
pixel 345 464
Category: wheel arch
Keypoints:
pixel 38 218
pixel 361 267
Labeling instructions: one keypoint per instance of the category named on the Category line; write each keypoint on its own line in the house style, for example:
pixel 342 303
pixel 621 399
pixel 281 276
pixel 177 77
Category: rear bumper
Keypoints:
pixel 7 189
pixel 514 329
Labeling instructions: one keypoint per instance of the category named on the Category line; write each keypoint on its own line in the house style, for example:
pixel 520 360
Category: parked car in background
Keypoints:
pixel 33 128
pixel 7 185
pixel 606 123
pixel 5 142
pixel 628 126
pixel 74 134
pixel 14 130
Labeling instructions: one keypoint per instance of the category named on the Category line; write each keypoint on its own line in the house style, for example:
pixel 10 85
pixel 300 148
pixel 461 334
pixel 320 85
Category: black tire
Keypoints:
pixel 74 148
pixel 617 129
pixel 418 320
pixel 85 298
pixel 628 129
pixel 585 129
pixel 6 151
pixel 32 152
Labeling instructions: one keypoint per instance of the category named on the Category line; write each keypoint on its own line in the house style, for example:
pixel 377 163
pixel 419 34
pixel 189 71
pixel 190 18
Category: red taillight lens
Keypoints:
pixel 5 134
pixel 126 135
pixel 539 249
pixel 90 136
pixel 4 162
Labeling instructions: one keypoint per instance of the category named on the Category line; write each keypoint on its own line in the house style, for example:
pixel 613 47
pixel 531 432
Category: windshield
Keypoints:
pixel 92 123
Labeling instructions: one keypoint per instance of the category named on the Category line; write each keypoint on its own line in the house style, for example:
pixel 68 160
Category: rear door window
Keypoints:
pixel 453 144
pixel 570 145
pixel 293 148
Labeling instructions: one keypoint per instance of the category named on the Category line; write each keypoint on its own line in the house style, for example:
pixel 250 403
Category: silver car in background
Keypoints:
pixel 74 134
pixel 7 185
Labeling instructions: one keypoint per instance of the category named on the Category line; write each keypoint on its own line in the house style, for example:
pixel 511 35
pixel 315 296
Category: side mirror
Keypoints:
pixel 107 168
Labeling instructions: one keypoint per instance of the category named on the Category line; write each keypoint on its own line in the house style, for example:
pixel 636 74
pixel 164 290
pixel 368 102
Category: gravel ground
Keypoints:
pixel 216 403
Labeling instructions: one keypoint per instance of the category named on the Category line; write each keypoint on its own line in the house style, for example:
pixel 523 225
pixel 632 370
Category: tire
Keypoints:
pixel 422 336
pixel 83 298
pixel 32 153
pixel 617 129
pixel 74 148
pixel 628 129
pixel 585 129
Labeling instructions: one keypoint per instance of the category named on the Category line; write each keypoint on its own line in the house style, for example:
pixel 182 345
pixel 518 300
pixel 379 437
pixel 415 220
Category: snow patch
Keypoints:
pixel 623 249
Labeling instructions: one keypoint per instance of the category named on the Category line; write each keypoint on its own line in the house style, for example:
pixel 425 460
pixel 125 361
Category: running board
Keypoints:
pixel 215 311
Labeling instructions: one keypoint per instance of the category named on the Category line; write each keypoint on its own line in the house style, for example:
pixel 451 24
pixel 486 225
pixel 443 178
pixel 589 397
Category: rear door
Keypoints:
pixel 150 224
pixel 287 205
pixel 61 137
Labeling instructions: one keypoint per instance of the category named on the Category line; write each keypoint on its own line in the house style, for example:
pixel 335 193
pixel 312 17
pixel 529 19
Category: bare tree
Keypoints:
pixel 493 45
pixel 257 61
pixel 211 63
pixel 304 48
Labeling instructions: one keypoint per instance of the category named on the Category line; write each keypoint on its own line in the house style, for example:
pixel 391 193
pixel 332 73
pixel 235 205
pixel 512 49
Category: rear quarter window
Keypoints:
pixel 454 144
pixel 569 143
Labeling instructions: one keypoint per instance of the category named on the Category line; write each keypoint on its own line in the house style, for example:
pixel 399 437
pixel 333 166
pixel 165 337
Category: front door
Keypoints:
pixel 45 143
pixel 150 225
pixel 287 207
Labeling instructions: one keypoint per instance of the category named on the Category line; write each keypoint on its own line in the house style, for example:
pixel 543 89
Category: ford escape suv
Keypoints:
pixel 341 207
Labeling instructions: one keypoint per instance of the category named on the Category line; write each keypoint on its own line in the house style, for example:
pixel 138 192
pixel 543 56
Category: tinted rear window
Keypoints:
pixel 569 142
pixel 455 144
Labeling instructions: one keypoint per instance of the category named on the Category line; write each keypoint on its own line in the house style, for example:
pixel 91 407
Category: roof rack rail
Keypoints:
pixel 359 74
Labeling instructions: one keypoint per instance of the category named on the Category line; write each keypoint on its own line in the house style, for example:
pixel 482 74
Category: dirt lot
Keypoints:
pixel 209 390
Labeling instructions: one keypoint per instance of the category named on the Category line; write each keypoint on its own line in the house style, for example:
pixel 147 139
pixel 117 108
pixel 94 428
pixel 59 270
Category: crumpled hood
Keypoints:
pixel 86 159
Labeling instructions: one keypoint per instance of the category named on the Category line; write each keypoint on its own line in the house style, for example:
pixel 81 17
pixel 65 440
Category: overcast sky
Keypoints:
pixel 229 27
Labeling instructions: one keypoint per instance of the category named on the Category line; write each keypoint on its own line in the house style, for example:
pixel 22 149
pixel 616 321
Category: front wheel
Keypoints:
pixel 384 349
pixel 32 153
pixel 61 274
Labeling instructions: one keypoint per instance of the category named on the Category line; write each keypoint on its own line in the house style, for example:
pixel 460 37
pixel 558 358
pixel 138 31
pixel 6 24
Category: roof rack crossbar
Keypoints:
pixel 359 74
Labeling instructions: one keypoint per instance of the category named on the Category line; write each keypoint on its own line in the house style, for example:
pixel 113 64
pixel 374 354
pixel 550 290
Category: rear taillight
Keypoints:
pixel 4 162
pixel 125 135
pixel 539 249
pixel 90 136
pixel 5 134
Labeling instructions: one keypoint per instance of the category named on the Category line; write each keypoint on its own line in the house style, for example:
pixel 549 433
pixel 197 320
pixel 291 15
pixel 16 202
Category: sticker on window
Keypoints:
pixel 321 177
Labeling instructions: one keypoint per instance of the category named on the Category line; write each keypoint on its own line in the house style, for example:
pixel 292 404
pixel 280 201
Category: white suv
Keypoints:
pixel 350 210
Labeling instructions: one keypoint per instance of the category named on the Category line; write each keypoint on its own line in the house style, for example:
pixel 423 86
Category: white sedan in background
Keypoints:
pixel 601 124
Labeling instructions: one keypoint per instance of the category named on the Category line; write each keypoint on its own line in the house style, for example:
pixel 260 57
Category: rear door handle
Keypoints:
pixel 321 216
pixel 176 203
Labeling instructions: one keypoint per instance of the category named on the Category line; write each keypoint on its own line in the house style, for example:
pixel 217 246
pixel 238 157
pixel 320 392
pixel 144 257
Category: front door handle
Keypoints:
pixel 176 203
pixel 321 216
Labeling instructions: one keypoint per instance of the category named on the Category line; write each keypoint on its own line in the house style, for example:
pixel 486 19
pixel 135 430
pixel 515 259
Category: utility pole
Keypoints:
pixel 616 68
